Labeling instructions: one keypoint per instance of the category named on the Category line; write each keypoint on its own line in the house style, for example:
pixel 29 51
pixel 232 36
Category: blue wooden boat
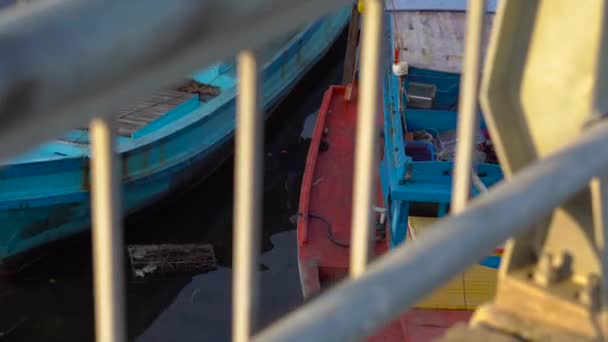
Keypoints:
pixel 429 38
pixel 166 142
pixel 420 100
pixel 426 40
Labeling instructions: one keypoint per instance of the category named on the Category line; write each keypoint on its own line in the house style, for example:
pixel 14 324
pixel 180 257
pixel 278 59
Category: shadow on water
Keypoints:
pixel 53 300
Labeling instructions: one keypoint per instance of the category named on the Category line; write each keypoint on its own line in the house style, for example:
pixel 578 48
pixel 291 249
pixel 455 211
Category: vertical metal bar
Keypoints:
pixel 247 208
pixel 366 142
pixel 467 114
pixel 599 195
pixel 107 236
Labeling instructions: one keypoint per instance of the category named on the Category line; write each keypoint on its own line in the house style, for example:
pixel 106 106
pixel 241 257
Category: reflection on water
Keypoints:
pixel 202 309
pixel 309 126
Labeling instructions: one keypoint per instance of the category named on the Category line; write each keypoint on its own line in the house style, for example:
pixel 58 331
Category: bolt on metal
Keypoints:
pixel 551 269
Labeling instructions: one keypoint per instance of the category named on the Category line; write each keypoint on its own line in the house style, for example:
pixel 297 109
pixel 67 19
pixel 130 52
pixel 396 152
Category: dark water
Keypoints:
pixel 53 301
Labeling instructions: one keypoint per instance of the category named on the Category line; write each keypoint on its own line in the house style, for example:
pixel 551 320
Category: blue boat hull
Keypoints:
pixel 47 200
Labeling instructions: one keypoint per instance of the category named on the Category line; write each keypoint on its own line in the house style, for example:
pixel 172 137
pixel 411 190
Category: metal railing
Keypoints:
pixel 366 151
pixel 167 40
pixel 248 194
pixel 468 123
pixel 108 273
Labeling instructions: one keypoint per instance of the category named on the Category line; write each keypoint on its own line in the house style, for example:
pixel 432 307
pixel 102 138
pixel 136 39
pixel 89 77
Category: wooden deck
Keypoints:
pixel 140 114
pixel 475 286
pixel 137 116
pixel 434 40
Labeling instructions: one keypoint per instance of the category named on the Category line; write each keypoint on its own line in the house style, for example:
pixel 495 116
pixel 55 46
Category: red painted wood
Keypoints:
pixel 311 161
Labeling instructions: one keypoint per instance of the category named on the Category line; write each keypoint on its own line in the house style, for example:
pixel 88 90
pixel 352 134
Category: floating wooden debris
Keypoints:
pixel 204 91
pixel 148 260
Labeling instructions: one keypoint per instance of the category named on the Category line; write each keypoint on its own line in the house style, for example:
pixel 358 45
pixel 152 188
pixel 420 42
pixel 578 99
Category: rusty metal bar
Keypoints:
pixel 247 199
pixel 358 307
pixel 468 117
pixel 108 273
pixel 366 149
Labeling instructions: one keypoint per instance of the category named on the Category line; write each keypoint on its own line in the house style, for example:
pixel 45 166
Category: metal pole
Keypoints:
pixel 120 50
pixel 247 199
pixel 468 122
pixel 366 141
pixel 108 273
pixel 359 307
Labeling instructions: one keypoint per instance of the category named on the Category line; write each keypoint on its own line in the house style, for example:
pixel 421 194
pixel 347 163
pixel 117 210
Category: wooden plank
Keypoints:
pixel 148 260
pixel 351 47
pixel 467 290
pixel 143 113
pixel 434 40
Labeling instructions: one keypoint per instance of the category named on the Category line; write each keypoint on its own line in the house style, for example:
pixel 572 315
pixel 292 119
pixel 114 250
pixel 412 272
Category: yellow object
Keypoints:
pixel 467 291
pixel 360 6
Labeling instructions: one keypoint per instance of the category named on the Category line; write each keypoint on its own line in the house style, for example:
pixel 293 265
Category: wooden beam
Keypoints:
pixel 351 47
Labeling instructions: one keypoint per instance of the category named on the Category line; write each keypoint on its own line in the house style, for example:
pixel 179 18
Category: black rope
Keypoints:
pixel 330 233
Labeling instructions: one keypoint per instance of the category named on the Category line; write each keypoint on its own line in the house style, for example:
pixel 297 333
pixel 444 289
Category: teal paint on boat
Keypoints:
pixel 218 74
pixel 44 194
pixel 405 181
pixel 174 114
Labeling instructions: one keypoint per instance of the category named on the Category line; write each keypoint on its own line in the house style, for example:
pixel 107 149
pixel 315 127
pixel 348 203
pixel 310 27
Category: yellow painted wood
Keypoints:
pixel 466 291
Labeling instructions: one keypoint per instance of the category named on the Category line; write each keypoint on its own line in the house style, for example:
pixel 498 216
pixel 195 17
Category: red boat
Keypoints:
pixel 324 228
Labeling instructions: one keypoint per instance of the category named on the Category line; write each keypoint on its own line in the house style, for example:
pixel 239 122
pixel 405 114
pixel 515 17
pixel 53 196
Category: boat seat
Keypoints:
pixel 423 192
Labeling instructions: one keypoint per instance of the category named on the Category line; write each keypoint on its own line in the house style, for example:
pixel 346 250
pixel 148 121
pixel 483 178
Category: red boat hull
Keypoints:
pixel 325 215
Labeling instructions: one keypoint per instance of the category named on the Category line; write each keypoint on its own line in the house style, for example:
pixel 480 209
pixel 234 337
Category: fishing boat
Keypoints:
pixel 420 82
pixel 324 228
pixel 166 141
pixel 420 99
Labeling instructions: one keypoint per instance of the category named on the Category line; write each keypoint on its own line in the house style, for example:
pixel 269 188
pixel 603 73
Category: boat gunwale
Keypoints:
pixel 311 163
